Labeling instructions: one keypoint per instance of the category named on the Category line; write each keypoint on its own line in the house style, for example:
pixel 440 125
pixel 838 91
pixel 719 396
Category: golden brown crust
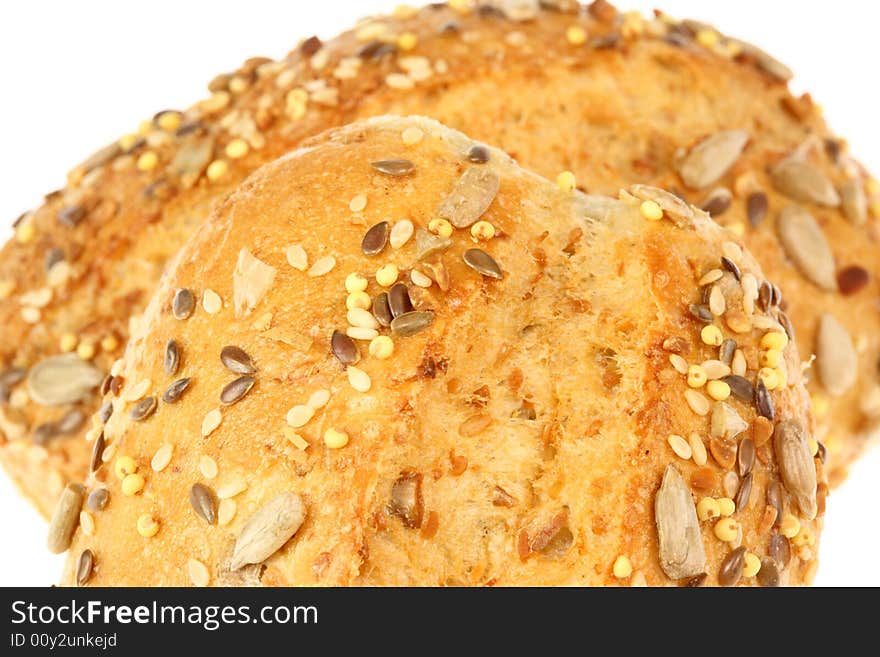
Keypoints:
pixel 665 85
pixel 520 438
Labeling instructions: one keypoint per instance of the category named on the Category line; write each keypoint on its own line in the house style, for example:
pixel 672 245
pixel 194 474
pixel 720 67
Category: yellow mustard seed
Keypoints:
pixel 708 38
pixel 358 300
pixel 622 567
pixel 651 210
pixel 147 526
pixel 726 529
pixel 708 509
pixel 109 342
pixel 752 565
pixel 718 390
pixel 696 377
pixel 770 358
pixel 216 170
pixel 127 142
pixel 381 347
pixel 86 350
pixel 774 340
pixel 335 439
pixel 790 526
pixel 25 232
pixel 124 466
pixel 804 537
pixel 576 35
pixel 169 121
pixel 354 282
pixel 738 228
pixel 872 187
pixel 145 127
pixel 68 342
pixel 407 41
pixel 726 506
pixel 711 335
pixel 237 149
pixel 133 484
pixel 483 230
pixel 770 377
pixel 440 227
pixel 147 161
pixel 566 182
pixel 386 275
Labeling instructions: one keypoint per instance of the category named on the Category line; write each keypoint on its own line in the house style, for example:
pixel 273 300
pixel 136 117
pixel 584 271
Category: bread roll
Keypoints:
pixel 544 409
pixel 614 98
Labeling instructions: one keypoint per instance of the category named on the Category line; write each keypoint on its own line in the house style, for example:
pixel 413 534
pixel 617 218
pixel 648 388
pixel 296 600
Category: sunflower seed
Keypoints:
pixel 382 310
pixel 85 567
pixel 741 501
pixel 398 300
pixel 191 161
pixel 478 154
pixel 375 239
pixel 143 409
pixel 184 303
pixel 732 567
pixel 394 167
pixel 740 387
pixel 726 351
pixel 726 422
pixel 427 244
pixel 786 324
pixel 203 502
pixel 98 499
pixel 756 208
pixel 768 576
pixel 796 465
pixel 767 63
pixel 779 550
pixel 836 358
pixel 268 529
pixel 66 518
pixel 175 390
pixel 344 348
pixel 745 457
pixel 235 390
pixel 774 499
pixel 678 529
pixel 852 279
pixel 717 202
pixel 236 360
pixel 64 379
pixel 805 243
pixel 672 206
pixel 412 322
pixel 97 451
pixel 172 358
pixel 763 402
pixel 801 181
pixel 712 158
pixel 482 262
pixel 855 204
pixel 471 197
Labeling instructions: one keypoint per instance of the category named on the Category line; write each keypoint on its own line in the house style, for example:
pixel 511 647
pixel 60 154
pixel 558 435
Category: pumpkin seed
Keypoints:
pixel 763 401
pixel 268 529
pixel 756 208
pixel 398 300
pixel 745 457
pixel 836 358
pixel 85 566
pixel 855 204
pixel 768 576
pixel 237 389
pixel 65 518
pixel 801 181
pixel 678 529
pixel 97 451
pixel 471 197
pixel 344 348
pixel 64 379
pixel 382 310
pixel 427 244
pixel 184 303
pixel 98 499
pixel 236 360
pixel 779 550
pixel 203 503
pixel 143 409
pixel 412 322
pixel 482 262
pixel 71 215
pixel 805 243
pixel 172 358
pixel 478 154
pixel 796 465
pixel 175 390
pixel 375 239
pixel 732 567
pixel 740 387
pixel 394 167
pixel 712 158
pixel 672 206
pixel 741 501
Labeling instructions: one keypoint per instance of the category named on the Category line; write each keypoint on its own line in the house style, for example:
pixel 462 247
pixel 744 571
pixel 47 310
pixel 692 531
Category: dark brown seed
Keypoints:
pixel 85 567
pixel 375 239
pixel 822 453
pixel 236 360
pixel 394 167
pixel 71 421
pixel 756 208
pixel 143 409
pixel 478 154
pixel 696 582
pixel 13 376
pixel 381 309
pixel 765 295
pixel 406 499
pixel 701 312
pixel 732 567
pixel 780 550
pixel 482 262
pixel 71 215
pixel 44 433
pixel 344 348
pixel 53 257
pixel 116 384
pixel 175 390
pixel 744 494
pixel 777 295
pixel 376 50
pixel 726 351
pixel 66 518
pixel 852 279
pixel 768 576
pixel 98 499
pixel 237 389
pixel 310 46
pixel 786 324
pixel 763 402
pixel 740 387
pixel 204 503
pixel 97 452
pixel 732 267
pixel 172 358
pixel 745 457
pixel 774 499
pixel 717 203
pixel 412 322
pixel 105 412
pixel 184 303
pixel 398 300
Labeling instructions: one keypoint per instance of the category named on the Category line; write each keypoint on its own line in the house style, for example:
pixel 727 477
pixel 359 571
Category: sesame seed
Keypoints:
pixel 357 203
pixel 147 525
pixel 198 572
pixel 361 333
pixel 698 449
pixel 319 398
pixel 162 457
pixel 679 363
pixel 680 446
pixel 401 233
pixel 399 81
pixel 651 210
pixel 362 318
pixel 717 303
pixel 208 467
pixel 412 136
pixel 226 510
pixel 335 439
pixel 211 302
pixel 296 257
pixel 211 421
pixel 87 523
pixel 299 415
pixel 697 402
pixel 231 489
pixel 358 379
pixel 322 266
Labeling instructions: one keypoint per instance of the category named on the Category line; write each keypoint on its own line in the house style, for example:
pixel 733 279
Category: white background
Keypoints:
pixel 77 75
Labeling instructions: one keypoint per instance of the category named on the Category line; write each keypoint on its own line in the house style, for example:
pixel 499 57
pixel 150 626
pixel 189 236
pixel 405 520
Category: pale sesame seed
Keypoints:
pixel 717 303
pixel 231 489
pixel 361 333
pixel 357 203
pixel 362 318
pixel 710 277
pixel 211 302
pixel 322 266
pixel 226 510
pixel 87 523
pixel 680 446
pixel 319 398
pixel 419 279
pixel 697 402
pixel 162 457
pixel 698 449
pixel 400 233
pixel 137 391
pixel 299 415
pixel 358 379
pixel 211 421
pixel 198 572
pixel 679 363
pixel 208 467
pixel 412 136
